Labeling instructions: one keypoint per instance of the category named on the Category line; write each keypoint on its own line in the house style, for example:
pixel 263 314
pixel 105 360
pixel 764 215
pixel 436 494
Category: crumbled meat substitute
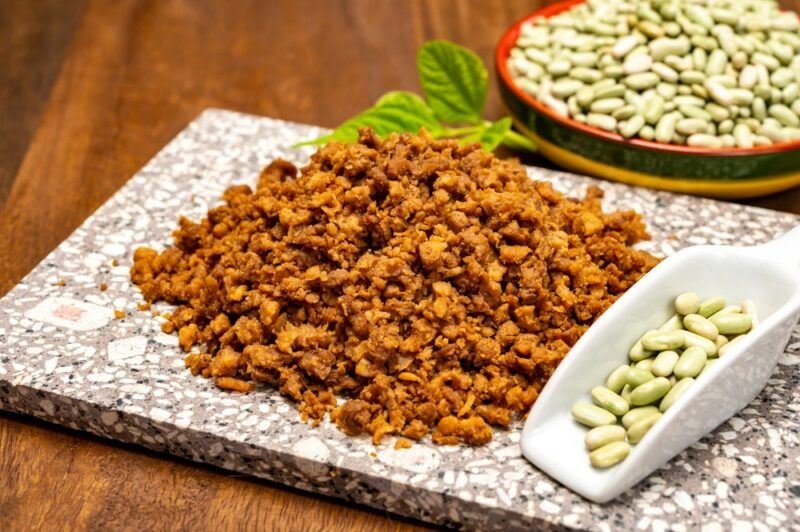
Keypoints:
pixel 431 286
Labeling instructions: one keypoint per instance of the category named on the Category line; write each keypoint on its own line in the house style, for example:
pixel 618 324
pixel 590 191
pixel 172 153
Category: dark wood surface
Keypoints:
pixel 91 90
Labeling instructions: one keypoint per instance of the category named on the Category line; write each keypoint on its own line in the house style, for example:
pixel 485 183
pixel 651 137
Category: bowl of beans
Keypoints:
pixel 699 98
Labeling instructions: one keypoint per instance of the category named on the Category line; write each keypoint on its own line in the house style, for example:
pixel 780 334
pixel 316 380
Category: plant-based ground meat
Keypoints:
pixel 431 287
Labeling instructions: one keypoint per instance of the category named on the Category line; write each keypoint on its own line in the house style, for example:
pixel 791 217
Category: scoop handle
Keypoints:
pixel 786 247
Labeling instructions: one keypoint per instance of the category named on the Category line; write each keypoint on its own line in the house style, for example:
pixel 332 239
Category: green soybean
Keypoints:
pixel 635 415
pixel 695 340
pixel 609 123
pixel 638 352
pixel 618 378
pixel 700 325
pixel 601 436
pixel 626 393
pixel 592 416
pixel 664 363
pixel 650 391
pixel 665 129
pixel 676 391
pixel 645 365
pixel 732 323
pixel 710 306
pixel 610 454
pixel 675 323
pixel 662 341
pixel 636 377
pixel 607 105
pixel 687 303
pixel 690 363
pixel 609 400
pixel 638 430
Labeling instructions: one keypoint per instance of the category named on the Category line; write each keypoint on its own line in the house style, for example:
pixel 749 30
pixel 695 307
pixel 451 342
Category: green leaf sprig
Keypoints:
pixel 455 83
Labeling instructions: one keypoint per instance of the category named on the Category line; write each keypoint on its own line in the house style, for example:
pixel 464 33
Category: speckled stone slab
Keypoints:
pixel 66 359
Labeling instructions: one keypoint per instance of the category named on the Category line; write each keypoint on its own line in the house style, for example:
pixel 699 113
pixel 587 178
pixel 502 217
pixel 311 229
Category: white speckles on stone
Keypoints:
pixel 543 487
pixel 312 448
pixel 135 388
pixel 417 459
pixel 774 440
pixel 737 423
pixel 159 414
pixel 511 451
pixel 114 249
pixel 126 348
pixel 549 507
pixel 94 260
pixel 99 377
pixel 741 526
pixel 684 500
pixel 166 339
pixel 766 500
pixel 50 365
pixel 726 466
pixel 70 314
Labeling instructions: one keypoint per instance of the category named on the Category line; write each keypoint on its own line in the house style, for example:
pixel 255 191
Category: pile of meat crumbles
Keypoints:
pixel 405 286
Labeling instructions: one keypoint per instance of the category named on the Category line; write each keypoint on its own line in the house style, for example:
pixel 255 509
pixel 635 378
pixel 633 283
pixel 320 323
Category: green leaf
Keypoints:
pixel 454 81
pixel 493 135
pixel 394 112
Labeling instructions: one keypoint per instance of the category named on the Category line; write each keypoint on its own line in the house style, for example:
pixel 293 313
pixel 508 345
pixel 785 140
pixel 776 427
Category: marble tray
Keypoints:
pixel 66 359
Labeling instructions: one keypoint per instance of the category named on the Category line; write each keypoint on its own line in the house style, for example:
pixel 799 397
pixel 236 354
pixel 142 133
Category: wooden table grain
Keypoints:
pixel 89 91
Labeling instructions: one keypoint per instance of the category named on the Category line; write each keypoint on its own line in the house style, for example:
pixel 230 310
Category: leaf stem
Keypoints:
pixel 515 141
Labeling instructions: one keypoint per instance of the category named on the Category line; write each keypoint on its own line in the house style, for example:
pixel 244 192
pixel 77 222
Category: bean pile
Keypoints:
pixel 704 73
pixel 664 364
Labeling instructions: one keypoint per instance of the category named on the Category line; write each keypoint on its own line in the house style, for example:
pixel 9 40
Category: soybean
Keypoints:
pixel 695 340
pixel 690 363
pixel 601 436
pixel 610 454
pixel 592 416
pixel 675 323
pixel 637 431
pixel 738 60
pixel 645 365
pixel 710 306
pixel 636 377
pixel 700 325
pixel 732 323
pixel 687 303
pixel 676 391
pixel 617 379
pixel 664 363
pixel 650 391
pixel 662 341
pixel 610 400
pixel 635 415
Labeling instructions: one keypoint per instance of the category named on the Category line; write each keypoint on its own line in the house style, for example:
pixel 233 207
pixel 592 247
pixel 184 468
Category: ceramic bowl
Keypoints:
pixel 723 173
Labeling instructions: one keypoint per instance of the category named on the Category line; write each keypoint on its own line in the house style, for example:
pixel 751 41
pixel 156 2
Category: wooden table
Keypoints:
pixel 89 91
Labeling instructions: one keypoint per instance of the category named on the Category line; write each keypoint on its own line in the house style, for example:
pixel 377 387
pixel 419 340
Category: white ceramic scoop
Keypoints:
pixel 769 275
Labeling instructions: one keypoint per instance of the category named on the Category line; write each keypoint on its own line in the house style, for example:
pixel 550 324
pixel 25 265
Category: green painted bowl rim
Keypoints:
pixel 503 51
